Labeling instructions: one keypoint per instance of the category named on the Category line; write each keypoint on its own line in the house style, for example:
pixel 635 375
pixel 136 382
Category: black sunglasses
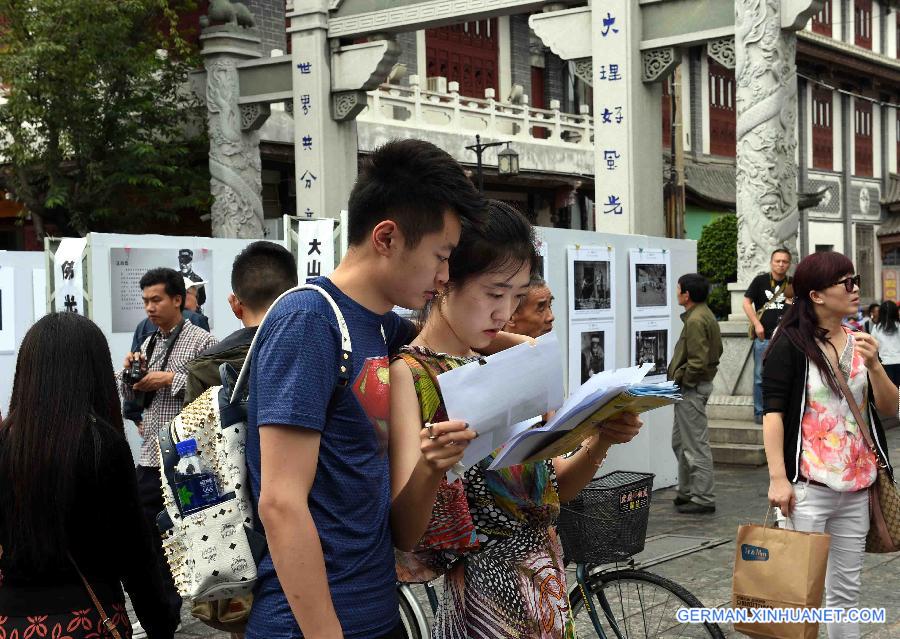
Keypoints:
pixel 849 282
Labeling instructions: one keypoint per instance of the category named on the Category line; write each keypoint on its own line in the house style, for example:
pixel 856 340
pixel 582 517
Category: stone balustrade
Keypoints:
pixel 415 107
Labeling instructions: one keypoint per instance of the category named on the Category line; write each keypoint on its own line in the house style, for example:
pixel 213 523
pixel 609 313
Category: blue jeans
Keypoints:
pixel 759 347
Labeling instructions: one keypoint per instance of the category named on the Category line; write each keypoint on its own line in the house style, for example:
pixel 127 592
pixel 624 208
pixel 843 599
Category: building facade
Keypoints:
pixel 848 87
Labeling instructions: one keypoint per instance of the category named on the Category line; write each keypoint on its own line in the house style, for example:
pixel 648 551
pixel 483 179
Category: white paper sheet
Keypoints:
pixel 495 394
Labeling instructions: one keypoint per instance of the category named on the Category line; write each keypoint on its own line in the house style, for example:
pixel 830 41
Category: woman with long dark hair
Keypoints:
pixel 820 464
pixel 887 331
pixel 510 512
pixel 68 502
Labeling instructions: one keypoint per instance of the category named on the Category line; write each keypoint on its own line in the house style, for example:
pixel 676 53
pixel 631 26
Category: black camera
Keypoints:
pixel 134 373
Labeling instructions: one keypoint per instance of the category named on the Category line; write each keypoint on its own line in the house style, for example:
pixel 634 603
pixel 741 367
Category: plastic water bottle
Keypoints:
pixel 195 484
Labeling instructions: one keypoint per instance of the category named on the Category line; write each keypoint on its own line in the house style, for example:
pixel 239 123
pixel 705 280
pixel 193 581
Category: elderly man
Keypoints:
pixel 534 317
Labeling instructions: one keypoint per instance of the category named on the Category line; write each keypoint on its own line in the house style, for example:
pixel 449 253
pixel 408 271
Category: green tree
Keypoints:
pixel 717 260
pixel 99 130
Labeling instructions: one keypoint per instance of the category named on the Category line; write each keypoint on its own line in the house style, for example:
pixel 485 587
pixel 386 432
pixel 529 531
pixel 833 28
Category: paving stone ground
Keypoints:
pixel 741 497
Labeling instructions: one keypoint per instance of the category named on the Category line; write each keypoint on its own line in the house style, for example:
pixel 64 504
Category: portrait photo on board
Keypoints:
pixel 592 354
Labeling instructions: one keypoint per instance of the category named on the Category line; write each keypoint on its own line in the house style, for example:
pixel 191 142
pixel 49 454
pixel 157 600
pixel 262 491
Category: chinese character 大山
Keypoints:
pixel 613 205
pixel 314 246
pixel 305 67
pixel 313 268
pixel 70 304
pixel 68 270
pixel 610 157
pixel 307 143
pixel 304 103
pixel 307 178
pixel 608 23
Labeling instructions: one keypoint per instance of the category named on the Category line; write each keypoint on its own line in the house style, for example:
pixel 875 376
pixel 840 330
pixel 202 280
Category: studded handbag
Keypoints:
pixel 213 553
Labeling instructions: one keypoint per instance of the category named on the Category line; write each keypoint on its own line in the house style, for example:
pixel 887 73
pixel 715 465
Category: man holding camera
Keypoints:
pixel 155 377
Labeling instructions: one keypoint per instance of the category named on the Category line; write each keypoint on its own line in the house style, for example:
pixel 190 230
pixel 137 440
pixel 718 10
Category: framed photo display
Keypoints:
pixel 591 283
pixel 651 343
pixel 651 283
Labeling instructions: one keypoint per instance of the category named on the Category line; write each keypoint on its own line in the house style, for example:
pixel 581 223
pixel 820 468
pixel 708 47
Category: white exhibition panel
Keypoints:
pixel 219 254
pixel 23 265
pixel 651 451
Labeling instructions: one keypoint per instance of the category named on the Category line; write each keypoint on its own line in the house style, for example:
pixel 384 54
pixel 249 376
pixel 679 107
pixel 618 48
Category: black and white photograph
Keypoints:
pixel 650 287
pixel 543 265
pixel 650 281
pixel 651 346
pixel 128 265
pixel 591 351
pixel 591 283
pixel 591 354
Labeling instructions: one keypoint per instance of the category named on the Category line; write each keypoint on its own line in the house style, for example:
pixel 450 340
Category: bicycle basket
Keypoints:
pixel 607 521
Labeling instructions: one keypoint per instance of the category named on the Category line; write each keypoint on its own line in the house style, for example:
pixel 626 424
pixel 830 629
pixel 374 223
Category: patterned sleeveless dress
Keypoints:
pixel 514 586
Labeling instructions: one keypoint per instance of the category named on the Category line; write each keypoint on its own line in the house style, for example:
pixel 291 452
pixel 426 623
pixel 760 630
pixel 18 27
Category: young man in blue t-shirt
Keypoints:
pixel 317 452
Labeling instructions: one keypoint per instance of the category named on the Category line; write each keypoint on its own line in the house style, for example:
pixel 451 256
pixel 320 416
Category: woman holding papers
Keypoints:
pixel 491 532
pixel 823 390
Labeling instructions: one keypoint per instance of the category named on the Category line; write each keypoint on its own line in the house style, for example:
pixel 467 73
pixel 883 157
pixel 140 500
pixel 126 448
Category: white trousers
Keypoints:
pixel 845 516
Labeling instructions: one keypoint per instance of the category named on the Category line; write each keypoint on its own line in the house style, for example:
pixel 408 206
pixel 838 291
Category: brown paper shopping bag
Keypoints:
pixel 779 568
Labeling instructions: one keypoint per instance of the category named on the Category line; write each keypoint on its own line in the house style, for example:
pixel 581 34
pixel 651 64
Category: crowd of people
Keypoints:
pixel 348 457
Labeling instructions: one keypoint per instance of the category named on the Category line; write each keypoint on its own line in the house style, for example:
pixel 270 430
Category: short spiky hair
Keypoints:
pixel 411 182
pixel 170 278
pixel 262 272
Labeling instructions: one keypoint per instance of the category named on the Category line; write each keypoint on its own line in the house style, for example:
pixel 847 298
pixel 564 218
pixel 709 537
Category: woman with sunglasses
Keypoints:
pixel 820 464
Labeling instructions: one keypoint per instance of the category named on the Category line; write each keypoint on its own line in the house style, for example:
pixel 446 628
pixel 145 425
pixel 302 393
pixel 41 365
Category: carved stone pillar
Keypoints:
pixel 766 76
pixel 234 164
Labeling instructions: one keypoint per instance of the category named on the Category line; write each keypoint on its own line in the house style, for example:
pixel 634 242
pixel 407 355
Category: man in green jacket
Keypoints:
pixel 693 367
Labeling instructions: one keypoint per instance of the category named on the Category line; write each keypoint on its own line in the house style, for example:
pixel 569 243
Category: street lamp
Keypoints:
pixel 507 159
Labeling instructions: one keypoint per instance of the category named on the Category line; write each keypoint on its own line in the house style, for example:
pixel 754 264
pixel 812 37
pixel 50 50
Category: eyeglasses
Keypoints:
pixel 849 282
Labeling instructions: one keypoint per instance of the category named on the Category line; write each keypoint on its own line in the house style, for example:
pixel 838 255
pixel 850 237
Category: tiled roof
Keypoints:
pixel 713 182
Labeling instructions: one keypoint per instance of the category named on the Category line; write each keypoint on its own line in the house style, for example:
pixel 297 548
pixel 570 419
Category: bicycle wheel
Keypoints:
pixel 411 614
pixel 636 604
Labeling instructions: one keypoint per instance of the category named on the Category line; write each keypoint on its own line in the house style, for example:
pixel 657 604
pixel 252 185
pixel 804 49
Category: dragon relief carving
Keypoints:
pixel 766 173
pixel 234 164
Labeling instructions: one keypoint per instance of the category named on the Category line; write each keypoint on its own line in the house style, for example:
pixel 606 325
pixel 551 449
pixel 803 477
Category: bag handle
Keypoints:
pixel 104 618
pixel 346 347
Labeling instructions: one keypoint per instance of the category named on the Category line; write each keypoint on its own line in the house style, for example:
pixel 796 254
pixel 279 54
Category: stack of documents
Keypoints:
pixel 602 397
pixel 503 396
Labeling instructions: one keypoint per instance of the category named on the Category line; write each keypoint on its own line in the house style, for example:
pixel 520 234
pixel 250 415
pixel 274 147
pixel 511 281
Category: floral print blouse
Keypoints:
pixel 834 449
